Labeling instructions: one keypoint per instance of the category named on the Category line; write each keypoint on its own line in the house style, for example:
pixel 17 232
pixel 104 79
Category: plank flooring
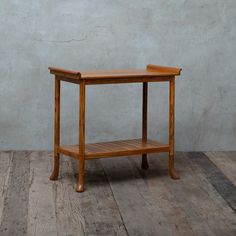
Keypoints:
pixel 120 198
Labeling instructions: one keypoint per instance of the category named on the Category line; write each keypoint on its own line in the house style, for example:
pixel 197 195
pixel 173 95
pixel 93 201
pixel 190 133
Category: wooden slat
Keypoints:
pixel 115 148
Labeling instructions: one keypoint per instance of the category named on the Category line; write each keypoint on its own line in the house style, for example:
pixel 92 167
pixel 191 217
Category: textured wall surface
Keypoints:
pixel 199 36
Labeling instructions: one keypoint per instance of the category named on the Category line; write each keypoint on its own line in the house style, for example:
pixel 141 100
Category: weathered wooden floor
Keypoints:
pixel 120 198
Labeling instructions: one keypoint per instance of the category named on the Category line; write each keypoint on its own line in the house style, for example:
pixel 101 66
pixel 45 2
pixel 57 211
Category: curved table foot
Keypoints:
pixel 144 164
pixel 80 188
pixel 55 172
pixel 174 174
pixel 172 171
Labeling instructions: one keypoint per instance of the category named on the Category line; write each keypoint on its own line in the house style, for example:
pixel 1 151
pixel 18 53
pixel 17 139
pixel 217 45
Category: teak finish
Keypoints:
pixel 143 146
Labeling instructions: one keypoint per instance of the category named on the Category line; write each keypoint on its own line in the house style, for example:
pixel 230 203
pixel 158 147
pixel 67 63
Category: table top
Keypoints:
pixel 152 73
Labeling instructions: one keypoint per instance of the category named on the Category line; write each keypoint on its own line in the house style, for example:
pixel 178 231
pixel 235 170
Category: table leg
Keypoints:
pixel 144 123
pixel 172 171
pixel 54 175
pixel 80 180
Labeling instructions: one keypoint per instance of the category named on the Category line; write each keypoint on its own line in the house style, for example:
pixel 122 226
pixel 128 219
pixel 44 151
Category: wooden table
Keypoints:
pixel 143 146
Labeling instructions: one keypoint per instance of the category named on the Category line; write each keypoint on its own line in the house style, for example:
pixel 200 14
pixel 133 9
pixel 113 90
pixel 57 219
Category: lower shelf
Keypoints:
pixel 115 148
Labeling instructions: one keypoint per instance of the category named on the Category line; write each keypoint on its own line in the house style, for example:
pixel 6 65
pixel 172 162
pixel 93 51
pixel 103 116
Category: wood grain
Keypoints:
pixel 69 218
pixel 175 215
pixel 142 216
pixel 163 69
pixel 81 148
pixel 151 74
pixel 221 183
pixel 82 152
pixel 121 198
pixel 197 198
pixel 144 123
pixel 213 208
pixel 115 148
pixel 226 162
pixel 98 74
pixel 172 170
pixel 97 204
pixel 56 165
pixel 65 73
pixel 5 165
pixel 41 208
pixel 14 217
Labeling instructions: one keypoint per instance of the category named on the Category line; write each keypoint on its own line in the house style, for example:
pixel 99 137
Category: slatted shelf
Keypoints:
pixel 115 148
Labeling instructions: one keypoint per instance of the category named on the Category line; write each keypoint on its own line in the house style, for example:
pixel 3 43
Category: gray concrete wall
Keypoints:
pixel 199 36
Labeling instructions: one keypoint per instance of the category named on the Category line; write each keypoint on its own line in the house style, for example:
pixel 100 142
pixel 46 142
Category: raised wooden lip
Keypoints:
pixel 65 73
pixel 175 70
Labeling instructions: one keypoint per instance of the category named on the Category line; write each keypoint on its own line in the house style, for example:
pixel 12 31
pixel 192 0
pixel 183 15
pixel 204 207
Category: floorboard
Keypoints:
pixel 14 216
pixel 141 214
pixel 167 202
pixel 226 162
pixel 41 209
pixel 5 164
pixel 221 183
pixel 120 198
pixel 69 220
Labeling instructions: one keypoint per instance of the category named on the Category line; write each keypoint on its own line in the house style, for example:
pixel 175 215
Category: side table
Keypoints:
pixel 142 146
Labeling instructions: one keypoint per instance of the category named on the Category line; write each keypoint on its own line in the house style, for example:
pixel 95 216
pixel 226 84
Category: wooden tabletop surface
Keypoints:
pixel 123 73
pixel 150 71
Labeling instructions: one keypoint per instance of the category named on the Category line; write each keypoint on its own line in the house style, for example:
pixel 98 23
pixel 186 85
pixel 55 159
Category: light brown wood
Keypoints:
pixel 81 149
pixel 64 73
pixel 164 69
pixel 127 80
pixel 151 74
pixel 54 175
pixel 98 74
pixel 144 164
pixel 172 171
pixel 82 152
pixel 115 148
